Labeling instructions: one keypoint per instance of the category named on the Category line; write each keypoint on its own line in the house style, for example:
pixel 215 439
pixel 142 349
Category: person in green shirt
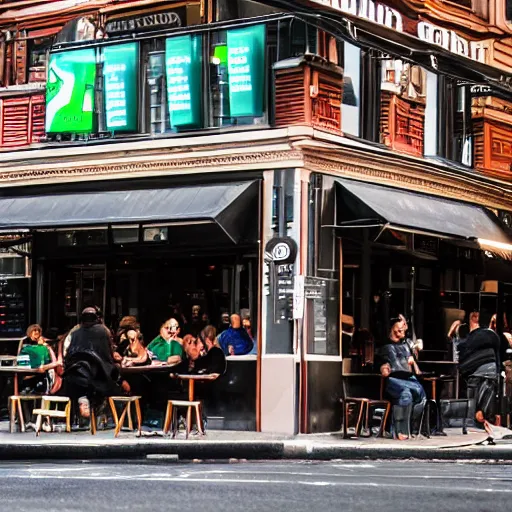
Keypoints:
pixel 166 347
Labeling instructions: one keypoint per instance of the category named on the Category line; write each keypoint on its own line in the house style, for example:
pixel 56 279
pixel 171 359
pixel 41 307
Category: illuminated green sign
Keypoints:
pixel 246 71
pixel 120 64
pixel 70 92
pixel 183 56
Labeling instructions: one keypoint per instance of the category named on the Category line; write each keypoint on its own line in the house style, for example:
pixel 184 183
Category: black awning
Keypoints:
pixel 231 206
pixel 369 205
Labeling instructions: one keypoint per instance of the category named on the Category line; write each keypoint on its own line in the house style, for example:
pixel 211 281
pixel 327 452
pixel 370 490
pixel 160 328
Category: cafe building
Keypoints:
pixel 315 165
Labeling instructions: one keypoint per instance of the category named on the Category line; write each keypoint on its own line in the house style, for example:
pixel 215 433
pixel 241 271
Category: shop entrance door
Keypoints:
pixel 83 285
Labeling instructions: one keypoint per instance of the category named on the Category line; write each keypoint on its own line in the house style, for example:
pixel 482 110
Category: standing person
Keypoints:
pixel 407 394
pixel 235 341
pixel 90 374
pixel 479 363
pixel 166 347
pixel 224 323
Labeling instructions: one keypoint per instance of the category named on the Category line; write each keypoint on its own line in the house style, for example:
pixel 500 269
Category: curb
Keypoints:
pixel 172 450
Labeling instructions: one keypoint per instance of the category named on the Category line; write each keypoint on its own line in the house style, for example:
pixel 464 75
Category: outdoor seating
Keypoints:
pixel 171 416
pixel 364 407
pixel 46 410
pixel 15 407
pixel 456 408
pixel 126 411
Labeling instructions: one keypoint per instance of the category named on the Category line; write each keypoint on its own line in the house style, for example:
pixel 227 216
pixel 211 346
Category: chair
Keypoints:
pixel 15 406
pixel 365 406
pixel 171 416
pixel 446 405
pixel 47 411
pixel 119 421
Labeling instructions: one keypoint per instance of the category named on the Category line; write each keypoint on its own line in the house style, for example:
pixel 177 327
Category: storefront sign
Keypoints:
pixel 183 67
pixel 391 18
pixel 315 288
pixel 70 92
pixel 246 68
pixel 149 21
pixel 120 64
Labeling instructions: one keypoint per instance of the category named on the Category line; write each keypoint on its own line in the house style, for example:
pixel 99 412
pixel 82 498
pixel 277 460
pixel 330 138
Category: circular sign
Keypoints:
pixel 281 250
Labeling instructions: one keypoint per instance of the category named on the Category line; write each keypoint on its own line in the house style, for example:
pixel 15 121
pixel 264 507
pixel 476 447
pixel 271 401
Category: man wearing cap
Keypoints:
pixel 89 369
pixel 407 394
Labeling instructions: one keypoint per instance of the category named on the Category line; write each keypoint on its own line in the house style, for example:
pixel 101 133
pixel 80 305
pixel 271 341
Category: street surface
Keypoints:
pixel 255 486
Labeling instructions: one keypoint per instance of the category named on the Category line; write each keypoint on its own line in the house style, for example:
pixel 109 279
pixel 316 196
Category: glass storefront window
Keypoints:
pixel 85 237
pixel 125 235
pixel 156 234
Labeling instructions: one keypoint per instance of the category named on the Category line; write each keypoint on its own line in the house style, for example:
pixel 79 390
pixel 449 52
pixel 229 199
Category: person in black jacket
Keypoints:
pixel 479 359
pixel 89 370
pixel 407 394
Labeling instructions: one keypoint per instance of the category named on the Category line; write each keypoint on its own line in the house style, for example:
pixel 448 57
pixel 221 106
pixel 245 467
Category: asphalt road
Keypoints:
pixel 257 486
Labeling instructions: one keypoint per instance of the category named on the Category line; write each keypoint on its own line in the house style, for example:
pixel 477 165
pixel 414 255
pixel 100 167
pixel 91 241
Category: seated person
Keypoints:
pixel 235 341
pixel 407 395
pixel 193 348
pixel 131 349
pixel 213 362
pixel 41 356
pixel 166 347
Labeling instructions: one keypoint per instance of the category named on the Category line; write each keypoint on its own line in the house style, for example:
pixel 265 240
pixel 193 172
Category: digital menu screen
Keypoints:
pixel 120 77
pixel 70 92
pixel 183 58
pixel 246 70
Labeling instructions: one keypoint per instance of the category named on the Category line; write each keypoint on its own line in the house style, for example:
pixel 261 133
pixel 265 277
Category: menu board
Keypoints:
pixel 120 66
pixel 70 91
pixel 183 56
pixel 246 71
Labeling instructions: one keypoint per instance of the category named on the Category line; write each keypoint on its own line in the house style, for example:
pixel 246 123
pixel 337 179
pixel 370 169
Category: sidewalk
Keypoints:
pixel 249 445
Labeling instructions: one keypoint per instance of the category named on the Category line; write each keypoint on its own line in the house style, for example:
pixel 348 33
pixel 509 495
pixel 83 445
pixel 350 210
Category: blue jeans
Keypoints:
pixel 405 391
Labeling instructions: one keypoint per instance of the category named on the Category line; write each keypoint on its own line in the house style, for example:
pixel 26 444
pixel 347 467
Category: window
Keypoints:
pixel 455 125
pixel 350 108
pixel 38 59
pixel 402 106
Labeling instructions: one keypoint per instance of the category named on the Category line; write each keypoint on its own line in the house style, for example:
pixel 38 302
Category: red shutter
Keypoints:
pixel 22 120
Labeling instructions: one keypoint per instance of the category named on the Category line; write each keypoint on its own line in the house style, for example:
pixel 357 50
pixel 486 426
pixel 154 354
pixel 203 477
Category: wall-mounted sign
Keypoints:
pixel 70 92
pixel 153 21
pixel 246 70
pixel 120 65
pixel 281 250
pixel 389 17
pixel 183 56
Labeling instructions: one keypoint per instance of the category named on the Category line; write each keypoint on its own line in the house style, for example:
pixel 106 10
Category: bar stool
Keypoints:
pixel 119 421
pixel 47 411
pixel 15 406
pixel 171 416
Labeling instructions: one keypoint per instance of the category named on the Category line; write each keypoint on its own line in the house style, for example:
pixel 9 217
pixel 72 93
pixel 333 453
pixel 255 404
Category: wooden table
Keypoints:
pixel 148 368
pixel 192 379
pixel 432 379
pixel 16 370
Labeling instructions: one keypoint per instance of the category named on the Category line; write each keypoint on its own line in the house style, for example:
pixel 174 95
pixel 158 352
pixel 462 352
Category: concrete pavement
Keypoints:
pixel 249 445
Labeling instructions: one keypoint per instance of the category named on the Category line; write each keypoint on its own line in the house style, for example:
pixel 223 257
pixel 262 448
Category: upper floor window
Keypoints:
pixel 161 85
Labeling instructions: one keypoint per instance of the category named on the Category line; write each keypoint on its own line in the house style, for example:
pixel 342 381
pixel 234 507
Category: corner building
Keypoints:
pixel 318 165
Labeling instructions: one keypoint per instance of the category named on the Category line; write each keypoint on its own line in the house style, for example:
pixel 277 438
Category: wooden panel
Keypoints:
pixel 327 95
pixel 402 124
pixel 37 105
pixel 290 97
pixel 21 61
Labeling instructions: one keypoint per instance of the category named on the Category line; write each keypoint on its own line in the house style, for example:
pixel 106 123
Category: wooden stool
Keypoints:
pixel 46 410
pixel 365 405
pixel 15 406
pixel 127 400
pixel 171 416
